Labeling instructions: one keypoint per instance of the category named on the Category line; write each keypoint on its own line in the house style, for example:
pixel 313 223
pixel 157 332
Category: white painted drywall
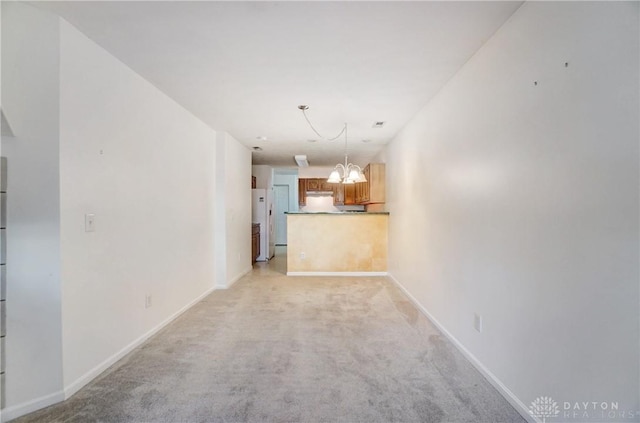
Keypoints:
pixel 146 168
pixel 314 172
pixel 264 176
pixel 237 203
pixel 30 88
pixel 519 202
pixel 91 136
pixel 220 213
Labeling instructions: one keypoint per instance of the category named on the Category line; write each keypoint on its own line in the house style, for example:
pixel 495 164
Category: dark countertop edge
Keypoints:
pixel 337 213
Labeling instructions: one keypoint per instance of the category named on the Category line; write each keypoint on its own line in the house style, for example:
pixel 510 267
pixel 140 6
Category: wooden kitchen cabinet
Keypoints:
pixel 349 194
pixel 255 242
pixel 344 194
pixel 302 192
pixel 359 191
pixel 324 185
pixel 338 194
pixel 317 184
pixel 313 184
pixel 372 191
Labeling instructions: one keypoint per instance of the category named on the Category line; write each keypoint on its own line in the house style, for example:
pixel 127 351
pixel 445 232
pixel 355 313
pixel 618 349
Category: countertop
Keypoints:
pixel 338 213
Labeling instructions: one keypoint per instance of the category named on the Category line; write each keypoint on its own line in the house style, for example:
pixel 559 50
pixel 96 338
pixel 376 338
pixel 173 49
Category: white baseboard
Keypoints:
pixel 235 279
pixel 337 273
pixel 18 410
pixel 493 380
pixel 83 380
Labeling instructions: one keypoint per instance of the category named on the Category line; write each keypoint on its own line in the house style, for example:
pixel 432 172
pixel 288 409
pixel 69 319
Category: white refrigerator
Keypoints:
pixel 262 213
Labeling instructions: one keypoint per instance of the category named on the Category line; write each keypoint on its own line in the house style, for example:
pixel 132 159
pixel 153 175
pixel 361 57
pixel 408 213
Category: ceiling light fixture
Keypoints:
pixel 346 173
pixel 301 160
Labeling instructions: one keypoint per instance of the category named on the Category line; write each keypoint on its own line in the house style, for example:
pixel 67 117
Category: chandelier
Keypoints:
pixel 346 173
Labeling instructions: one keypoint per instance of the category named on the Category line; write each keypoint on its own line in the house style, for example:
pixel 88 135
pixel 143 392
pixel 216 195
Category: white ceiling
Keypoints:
pixel 244 67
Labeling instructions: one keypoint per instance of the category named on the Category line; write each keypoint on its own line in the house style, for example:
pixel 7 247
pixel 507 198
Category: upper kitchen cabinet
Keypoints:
pixel 302 192
pixel 312 184
pixel 344 194
pixel 372 191
pixel 362 193
pixel 325 186
pixel 317 184
pixel 349 194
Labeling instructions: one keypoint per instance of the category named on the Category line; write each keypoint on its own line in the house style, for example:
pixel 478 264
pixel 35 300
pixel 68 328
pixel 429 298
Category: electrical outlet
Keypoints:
pixel 303 256
pixel 147 301
pixel 477 322
pixel 89 222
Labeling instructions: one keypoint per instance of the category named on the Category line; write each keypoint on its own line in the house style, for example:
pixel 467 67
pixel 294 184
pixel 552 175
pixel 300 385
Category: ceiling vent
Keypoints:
pixel 378 124
pixel 301 160
pixel 257 148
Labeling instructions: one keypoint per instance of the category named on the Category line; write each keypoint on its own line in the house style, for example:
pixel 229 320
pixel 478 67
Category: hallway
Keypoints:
pixel 274 348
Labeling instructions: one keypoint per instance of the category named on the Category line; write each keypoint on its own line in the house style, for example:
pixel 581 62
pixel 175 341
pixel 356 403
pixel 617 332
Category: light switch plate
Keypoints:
pixel 477 322
pixel 89 222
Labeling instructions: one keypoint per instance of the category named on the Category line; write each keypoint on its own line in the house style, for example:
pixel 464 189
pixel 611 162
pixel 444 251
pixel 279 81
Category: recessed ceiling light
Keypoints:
pixel 257 148
pixel 366 141
pixel 261 138
pixel 378 124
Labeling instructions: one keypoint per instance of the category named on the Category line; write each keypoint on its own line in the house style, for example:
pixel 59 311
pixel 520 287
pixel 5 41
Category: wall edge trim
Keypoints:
pixel 235 279
pixel 491 378
pixel 30 406
pixel 82 381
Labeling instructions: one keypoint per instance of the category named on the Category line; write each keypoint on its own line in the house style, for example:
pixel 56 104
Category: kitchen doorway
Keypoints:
pixel 281 205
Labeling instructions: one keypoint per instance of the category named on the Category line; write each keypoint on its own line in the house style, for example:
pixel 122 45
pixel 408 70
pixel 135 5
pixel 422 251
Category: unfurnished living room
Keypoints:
pixel 345 211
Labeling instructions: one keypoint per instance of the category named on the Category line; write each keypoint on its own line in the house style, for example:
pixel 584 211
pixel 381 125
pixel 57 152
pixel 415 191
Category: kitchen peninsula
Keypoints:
pixel 337 243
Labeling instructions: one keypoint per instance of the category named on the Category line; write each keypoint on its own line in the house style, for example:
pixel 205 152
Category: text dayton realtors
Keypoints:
pixel 605 410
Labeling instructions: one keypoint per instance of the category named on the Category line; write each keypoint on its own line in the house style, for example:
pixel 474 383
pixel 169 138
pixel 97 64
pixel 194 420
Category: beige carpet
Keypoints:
pixel 285 349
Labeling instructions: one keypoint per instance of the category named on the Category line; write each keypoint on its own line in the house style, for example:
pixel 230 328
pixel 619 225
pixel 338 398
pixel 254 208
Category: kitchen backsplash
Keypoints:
pixel 324 203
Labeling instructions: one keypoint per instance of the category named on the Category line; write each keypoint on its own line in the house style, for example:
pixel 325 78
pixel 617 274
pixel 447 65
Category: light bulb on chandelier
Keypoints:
pixel 347 173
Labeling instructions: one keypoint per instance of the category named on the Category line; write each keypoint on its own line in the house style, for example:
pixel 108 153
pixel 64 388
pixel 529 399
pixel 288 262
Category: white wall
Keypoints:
pixel 145 167
pixel 91 136
pixel 519 202
pixel 314 172
pixel 30 94
pixel 264 176
pixel 237 204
